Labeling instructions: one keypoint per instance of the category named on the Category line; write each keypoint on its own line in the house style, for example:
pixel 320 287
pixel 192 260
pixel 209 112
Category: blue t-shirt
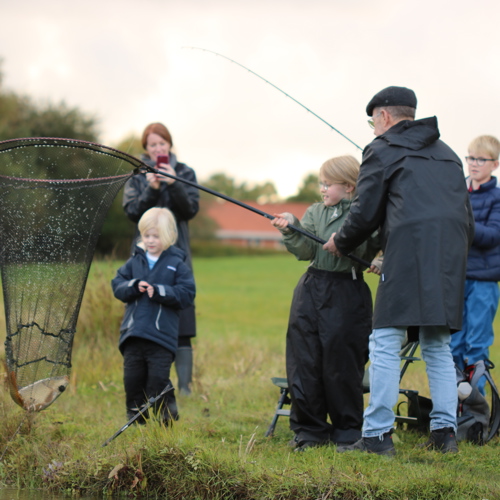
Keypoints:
pixel 151 260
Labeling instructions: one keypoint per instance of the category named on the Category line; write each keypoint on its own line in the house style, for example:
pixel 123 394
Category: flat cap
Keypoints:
pixel 392 96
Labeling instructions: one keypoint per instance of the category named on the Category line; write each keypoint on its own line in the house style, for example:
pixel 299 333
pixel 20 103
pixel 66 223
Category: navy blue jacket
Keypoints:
pixel 156 318
pixel 483 263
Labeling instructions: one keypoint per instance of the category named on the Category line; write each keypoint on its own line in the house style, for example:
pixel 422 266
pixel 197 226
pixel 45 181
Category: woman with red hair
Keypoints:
pixel 147 190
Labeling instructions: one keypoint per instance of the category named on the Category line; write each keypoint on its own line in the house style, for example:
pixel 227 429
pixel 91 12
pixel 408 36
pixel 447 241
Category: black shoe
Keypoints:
pixel 443 440
pixel 140 420
pixel 294 443
pixel 304 445
pixel 172 412
pixel 383 446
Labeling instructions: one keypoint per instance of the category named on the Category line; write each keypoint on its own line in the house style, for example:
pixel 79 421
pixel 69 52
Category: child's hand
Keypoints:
pixel 376 265
pixel 144 286
pixel 281 222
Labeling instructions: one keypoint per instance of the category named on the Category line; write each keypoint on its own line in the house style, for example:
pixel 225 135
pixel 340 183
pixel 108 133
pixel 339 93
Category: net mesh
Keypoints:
pixel 54 196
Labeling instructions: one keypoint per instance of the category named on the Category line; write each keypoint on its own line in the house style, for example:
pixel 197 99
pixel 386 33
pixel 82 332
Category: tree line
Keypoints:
pixel 21 116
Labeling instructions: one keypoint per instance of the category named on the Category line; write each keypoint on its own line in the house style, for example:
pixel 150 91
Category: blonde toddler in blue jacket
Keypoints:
pixel 155 284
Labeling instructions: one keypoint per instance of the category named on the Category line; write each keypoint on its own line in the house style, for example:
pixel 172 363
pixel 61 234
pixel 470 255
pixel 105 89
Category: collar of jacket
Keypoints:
pixel 148 161
pixel 337 210
pixel 487 186
pixel 412 134
pixel 172 250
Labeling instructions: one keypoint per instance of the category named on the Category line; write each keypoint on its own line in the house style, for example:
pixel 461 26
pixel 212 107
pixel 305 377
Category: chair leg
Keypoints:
pixel 284 399
pixel 494 402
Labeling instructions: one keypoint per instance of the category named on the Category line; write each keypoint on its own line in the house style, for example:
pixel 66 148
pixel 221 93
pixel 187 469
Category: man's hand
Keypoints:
pixel 330 246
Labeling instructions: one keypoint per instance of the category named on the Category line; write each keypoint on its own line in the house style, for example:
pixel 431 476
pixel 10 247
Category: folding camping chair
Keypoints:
pixel 419 415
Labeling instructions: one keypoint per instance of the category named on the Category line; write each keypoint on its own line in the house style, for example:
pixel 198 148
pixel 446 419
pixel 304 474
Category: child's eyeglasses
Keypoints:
pixel 324 185
pixel 479 161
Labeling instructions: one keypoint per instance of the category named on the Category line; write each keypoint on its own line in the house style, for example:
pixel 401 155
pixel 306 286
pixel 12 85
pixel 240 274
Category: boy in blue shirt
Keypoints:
pixel 471 344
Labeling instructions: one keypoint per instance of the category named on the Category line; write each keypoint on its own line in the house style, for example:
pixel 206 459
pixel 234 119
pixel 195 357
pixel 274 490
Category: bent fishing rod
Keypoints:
pixel 353 257
pixel 278 89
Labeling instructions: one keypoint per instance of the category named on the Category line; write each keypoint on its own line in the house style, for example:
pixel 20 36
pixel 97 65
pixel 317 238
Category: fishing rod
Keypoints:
pixel 277 88
pixel 353 257
pixel 151 401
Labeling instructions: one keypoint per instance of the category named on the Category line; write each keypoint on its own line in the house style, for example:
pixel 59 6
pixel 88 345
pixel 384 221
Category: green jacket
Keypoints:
pixel 323 221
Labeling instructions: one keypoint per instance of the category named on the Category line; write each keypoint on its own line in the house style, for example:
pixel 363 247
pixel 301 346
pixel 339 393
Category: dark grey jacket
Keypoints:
pixel 412 186
pixel 181 199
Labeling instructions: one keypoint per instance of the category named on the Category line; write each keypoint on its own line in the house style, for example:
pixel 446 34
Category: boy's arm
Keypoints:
pixel 301 246
pixel 487 234
pixel 181 294
pixel 125 287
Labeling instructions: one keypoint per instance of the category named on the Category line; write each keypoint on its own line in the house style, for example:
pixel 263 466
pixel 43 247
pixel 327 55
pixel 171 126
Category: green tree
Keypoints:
pixel 308 191
pixel 118 230
pixel 131 145
pixel 60 120
pixel 13 113
pixel 221 183
pixel 21 117
pixel 202 227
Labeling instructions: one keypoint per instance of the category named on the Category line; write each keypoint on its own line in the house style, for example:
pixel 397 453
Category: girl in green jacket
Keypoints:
pixel 330 318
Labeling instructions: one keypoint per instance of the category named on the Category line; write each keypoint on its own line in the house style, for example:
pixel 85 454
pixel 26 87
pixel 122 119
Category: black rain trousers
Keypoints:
pixel 326 352
pixel 146 367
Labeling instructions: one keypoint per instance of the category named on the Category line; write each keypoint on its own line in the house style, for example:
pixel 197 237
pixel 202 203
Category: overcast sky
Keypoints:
pixel 124 62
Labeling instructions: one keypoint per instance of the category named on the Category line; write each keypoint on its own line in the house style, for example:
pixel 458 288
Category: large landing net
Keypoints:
pixel 54 196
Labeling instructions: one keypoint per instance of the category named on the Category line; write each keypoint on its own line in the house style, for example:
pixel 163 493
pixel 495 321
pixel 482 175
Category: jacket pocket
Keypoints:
pixel 158 317
pixel 128 319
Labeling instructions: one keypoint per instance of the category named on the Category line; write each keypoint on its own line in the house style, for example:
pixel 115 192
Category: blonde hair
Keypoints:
pixel 341 170
pixel 163 221
pixel 486 144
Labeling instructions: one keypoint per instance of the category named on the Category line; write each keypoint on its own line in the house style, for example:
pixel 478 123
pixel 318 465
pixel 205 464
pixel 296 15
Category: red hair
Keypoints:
pixel 156 128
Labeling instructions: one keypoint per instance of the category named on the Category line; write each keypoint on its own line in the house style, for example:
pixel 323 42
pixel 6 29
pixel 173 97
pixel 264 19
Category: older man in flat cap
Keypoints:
pixel 411 186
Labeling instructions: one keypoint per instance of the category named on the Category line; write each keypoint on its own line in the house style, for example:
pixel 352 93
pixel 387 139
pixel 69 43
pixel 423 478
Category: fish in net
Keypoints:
pixel 54 197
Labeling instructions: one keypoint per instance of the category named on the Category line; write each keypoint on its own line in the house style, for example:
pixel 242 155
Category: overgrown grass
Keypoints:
pixel 217 449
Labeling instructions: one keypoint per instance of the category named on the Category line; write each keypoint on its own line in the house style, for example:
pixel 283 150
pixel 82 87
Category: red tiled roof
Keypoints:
pixel 233 219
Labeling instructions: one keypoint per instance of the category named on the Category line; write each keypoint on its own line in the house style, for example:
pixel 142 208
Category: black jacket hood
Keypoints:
pixel 414 135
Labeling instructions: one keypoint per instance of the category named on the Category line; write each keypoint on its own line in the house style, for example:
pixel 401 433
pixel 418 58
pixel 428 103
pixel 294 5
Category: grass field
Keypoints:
pixel 218 448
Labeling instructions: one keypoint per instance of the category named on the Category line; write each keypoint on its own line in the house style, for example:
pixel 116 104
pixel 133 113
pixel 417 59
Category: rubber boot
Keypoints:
pixel 184 369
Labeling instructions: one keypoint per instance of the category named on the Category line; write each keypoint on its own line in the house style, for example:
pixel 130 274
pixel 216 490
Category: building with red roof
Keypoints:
pixel 241 227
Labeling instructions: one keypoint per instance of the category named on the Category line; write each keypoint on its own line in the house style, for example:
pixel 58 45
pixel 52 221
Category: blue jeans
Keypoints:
pixel 385 345
pixel 472 343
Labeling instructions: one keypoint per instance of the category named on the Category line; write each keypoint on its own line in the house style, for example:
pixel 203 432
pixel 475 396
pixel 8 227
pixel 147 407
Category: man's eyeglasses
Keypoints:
pixel 479 161
pixel 371 121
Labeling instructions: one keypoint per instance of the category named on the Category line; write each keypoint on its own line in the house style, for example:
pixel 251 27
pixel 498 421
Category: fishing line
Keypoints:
pixel 277 88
